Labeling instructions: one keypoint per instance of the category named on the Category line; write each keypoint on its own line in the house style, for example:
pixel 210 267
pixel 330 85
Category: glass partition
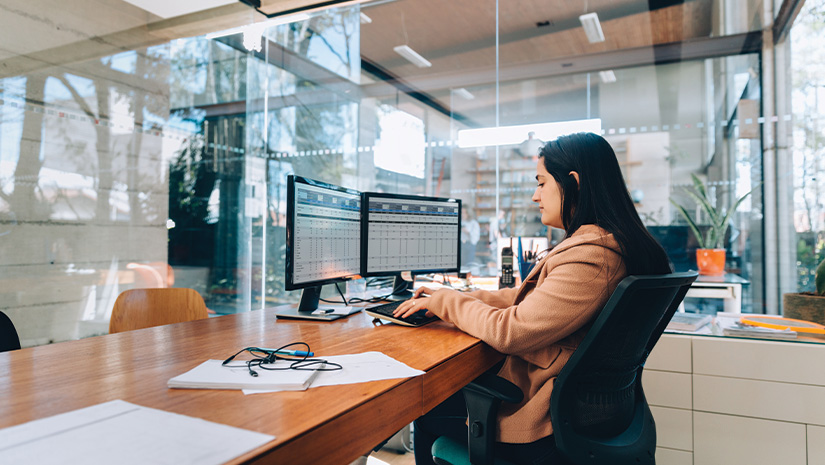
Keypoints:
pixel 141 147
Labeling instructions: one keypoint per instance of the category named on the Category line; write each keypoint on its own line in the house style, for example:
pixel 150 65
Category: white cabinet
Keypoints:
pixel 737 401
pixel 673 457
pixel 674 428
pixel 816 445
pixel 733 440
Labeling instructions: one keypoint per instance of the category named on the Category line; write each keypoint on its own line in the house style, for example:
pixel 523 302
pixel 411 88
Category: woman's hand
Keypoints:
pixel 422 290
pixel 417 303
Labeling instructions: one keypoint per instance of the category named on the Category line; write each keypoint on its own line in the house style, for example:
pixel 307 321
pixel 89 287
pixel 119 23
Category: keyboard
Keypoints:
pixel 384 312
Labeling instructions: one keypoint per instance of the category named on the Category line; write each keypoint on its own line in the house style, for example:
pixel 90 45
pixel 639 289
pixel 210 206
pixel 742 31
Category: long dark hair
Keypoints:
pixel 601 198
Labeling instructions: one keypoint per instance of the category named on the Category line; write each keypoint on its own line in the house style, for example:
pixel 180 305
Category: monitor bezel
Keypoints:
pixel 289 271
pixel 365 199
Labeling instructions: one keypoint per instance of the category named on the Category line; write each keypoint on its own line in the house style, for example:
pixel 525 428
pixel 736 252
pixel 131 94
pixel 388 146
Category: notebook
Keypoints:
pixel 688 321
pixel 211 375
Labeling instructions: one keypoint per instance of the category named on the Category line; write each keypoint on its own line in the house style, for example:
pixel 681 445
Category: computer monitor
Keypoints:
pixel 410 233
pixel 323 240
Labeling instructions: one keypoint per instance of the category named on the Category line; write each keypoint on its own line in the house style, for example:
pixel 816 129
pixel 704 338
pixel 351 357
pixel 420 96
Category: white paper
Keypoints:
pixel 336 309
pixel 124 433
pixel 211 375
pixel 358 368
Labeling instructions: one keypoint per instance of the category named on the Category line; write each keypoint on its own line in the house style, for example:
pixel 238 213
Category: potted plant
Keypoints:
pixel 808 306
pixel 710 256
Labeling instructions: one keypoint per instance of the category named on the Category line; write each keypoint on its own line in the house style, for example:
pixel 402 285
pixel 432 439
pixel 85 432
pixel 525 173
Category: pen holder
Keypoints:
pixel 524 268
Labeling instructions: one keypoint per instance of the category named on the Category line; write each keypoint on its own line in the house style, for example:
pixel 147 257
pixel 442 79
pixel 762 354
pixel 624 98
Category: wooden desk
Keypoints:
pixel 332 424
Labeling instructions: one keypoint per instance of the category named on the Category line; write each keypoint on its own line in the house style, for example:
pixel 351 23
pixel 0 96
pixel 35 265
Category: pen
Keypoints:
pixel 295 353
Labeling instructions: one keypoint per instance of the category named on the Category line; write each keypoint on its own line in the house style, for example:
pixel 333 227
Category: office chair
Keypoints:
pixel 8 335
pixel 144 308
pixel 598 408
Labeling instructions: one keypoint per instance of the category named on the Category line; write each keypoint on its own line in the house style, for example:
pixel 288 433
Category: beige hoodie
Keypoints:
pixel 539 324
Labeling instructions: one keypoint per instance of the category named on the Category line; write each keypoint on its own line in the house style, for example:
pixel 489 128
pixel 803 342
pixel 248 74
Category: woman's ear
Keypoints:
pixel 575 176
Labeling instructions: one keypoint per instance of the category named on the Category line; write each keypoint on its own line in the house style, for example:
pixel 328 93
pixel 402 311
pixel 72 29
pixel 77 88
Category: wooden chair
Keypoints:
pixel 144 308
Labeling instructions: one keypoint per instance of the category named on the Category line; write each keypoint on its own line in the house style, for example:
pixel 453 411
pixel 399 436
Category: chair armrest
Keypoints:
pixel 496 387
pixel 482 397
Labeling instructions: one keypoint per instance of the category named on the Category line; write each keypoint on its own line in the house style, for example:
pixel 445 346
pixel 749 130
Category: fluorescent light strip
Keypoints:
pixel 592 27
pixel 512 135
pixel 412 56
pixel 464 93
pixel 607 76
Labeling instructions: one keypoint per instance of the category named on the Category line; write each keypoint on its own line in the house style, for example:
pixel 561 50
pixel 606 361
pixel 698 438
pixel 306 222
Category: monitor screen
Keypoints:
pixel 323 233
pixel 410 233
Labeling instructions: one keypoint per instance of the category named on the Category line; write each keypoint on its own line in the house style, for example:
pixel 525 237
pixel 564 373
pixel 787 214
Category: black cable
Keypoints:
pixel 333 301
pixel 343 297
pixel 270 356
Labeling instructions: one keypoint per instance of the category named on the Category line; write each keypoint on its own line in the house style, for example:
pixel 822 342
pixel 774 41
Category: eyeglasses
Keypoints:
pixel 265 359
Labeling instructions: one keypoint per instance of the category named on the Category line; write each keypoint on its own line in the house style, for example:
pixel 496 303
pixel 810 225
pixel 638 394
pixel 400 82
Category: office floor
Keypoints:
pixel 384 457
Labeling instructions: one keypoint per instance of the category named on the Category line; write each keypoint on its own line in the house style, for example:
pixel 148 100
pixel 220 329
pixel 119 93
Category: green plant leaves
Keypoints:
pixel 693 226
pixel 715 236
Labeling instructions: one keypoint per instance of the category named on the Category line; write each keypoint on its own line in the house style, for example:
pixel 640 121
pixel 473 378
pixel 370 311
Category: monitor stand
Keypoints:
pixel 401 289
pixel 308 308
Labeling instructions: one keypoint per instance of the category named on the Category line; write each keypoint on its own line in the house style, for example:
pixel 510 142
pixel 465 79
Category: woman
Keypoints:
pixel 539 325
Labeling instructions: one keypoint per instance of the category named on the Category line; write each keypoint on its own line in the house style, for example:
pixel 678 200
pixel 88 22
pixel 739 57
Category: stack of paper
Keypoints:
pixel 732 327
pixel 211 375
pixel 125 434
pixel 687 321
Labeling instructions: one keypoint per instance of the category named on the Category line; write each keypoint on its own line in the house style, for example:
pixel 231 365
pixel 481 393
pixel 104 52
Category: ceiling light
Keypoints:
pixel 412 56
pixel 464 93
pixel 607 76
pixel 365 19
pixel 592 27
pixel 513 135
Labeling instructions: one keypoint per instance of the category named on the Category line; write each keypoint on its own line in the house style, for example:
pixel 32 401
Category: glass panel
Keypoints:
pixel 135 151
pixel 808 64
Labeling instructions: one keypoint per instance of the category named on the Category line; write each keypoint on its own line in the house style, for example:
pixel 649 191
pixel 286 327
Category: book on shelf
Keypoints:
pixel 688 321
pixel 211 375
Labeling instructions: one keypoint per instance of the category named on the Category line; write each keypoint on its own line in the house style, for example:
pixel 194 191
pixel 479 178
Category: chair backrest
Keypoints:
pixel 144 308
pixel 598 408
pixel 8 335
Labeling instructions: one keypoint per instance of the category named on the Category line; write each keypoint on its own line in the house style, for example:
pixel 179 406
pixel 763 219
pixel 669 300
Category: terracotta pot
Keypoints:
pixel 711 261
pixel 804 306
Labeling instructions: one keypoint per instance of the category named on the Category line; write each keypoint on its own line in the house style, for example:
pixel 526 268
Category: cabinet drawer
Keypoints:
pixel 788 362
pixel 730 440
pixel 667 389
pixel 671 353
pixel 673 457
pixel 762 399
pixel 674 428
pixel 816 445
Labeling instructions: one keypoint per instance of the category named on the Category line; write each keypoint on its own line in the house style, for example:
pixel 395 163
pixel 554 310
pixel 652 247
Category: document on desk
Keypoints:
pixel 357 368
pixel 124 433
pixel 212 375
